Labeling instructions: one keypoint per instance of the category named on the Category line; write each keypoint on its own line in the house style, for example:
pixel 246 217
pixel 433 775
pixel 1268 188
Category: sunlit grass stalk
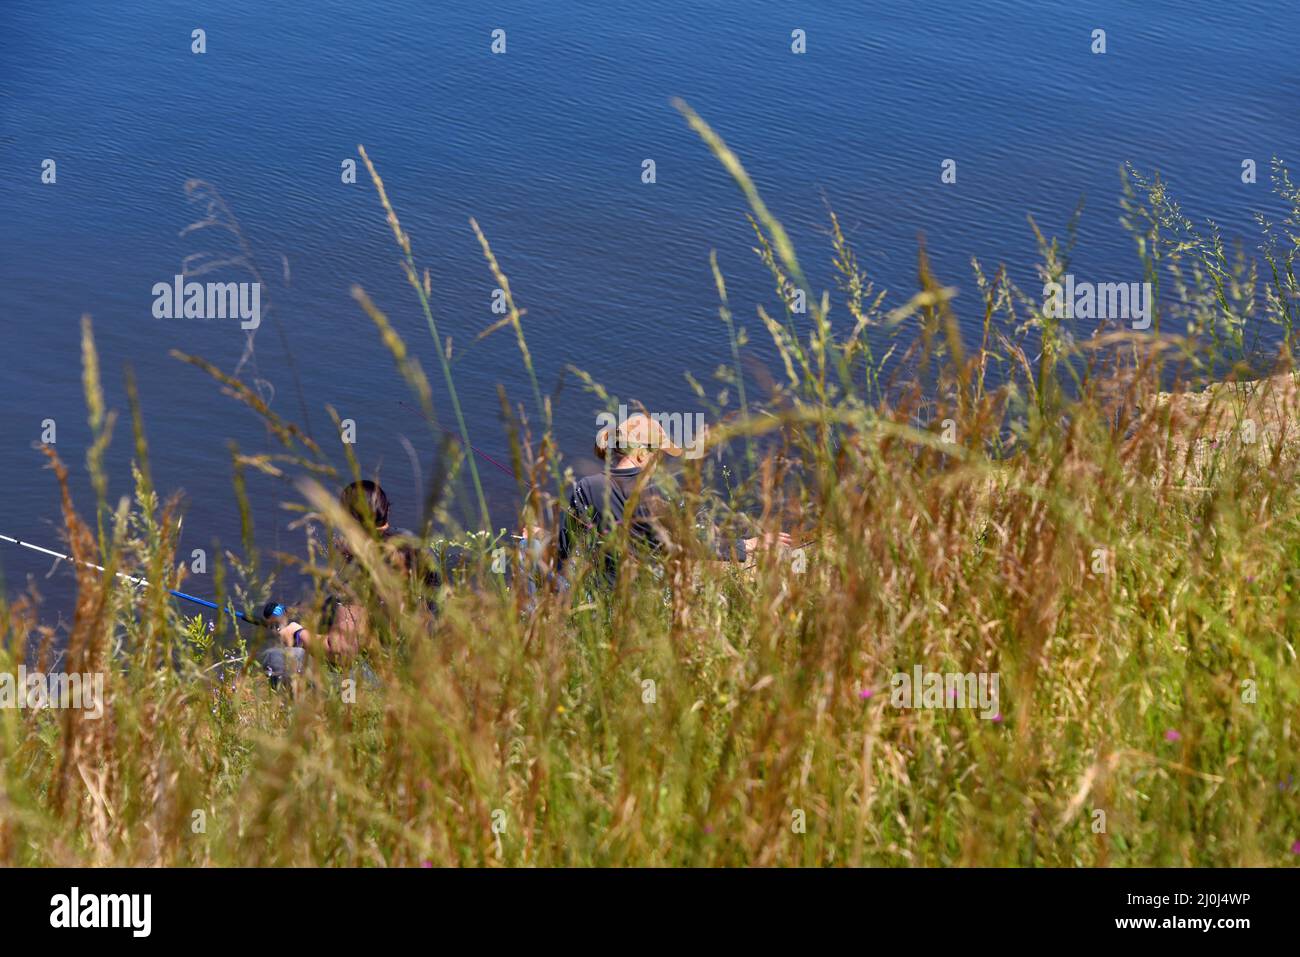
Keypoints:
pixel 412 276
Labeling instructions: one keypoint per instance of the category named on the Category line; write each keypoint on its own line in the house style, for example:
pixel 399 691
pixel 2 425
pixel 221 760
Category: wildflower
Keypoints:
pixel 865 693
pixel 1172 735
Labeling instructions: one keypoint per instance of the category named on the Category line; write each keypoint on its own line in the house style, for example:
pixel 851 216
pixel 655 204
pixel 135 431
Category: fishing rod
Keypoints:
pixel 456 435
pixel 489 458
pixel 131 578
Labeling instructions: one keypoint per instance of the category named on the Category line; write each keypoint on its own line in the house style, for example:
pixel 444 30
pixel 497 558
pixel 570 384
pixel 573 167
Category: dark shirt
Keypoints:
pixel 598 502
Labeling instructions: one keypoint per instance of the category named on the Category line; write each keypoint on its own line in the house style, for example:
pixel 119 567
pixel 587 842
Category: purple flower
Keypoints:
pixel 1172 735
pixel 1295 848
pixel 865 693
pixel 426 863
pixel 997 717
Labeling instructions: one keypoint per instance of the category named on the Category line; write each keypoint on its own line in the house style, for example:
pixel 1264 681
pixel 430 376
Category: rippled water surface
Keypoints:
pixel 544 146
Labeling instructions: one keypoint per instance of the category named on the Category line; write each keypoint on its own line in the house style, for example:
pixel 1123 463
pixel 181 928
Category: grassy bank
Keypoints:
pixel 1034 504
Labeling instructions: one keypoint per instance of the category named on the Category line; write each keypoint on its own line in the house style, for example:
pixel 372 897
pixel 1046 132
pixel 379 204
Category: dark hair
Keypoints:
pixel 365 501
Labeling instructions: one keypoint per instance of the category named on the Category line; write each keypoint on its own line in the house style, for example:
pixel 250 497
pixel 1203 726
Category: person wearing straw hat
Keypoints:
pixel 598 502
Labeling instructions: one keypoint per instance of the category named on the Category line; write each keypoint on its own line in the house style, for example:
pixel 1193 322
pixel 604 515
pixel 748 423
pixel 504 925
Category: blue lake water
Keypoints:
pixel 544 146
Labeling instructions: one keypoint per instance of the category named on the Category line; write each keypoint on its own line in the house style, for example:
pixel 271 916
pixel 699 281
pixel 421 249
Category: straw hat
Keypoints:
pixel 637 431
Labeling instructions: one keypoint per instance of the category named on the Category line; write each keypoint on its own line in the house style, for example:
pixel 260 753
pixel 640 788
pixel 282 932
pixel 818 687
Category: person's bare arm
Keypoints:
pixel 342 641
pixel 768 540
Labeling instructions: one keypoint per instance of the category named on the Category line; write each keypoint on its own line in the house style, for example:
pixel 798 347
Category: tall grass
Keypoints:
pixel 1125 559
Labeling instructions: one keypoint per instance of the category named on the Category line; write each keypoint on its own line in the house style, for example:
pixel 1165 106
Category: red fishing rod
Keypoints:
pixel 456 435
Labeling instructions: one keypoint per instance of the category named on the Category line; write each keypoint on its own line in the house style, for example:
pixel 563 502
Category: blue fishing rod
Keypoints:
pixel 135 581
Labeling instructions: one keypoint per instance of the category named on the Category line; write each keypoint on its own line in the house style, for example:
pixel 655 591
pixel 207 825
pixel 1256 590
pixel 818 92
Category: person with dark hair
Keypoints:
pixel 346 623
pixel 366 502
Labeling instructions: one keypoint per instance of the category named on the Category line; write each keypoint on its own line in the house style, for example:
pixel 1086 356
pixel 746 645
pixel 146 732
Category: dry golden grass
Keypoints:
pixel 1142 628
